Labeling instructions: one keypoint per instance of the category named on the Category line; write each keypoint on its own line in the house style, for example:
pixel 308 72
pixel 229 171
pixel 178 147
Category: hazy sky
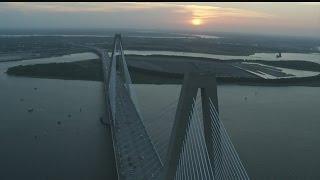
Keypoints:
pixel 302 19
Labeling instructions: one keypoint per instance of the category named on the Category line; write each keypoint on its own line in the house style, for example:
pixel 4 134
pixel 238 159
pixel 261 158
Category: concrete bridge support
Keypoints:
pixel 206 82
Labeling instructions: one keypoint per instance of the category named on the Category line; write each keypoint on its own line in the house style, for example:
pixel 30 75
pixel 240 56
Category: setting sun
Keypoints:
pixel 196 22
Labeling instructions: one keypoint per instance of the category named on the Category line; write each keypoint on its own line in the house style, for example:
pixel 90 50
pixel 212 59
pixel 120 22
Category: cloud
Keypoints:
pixel 198 11
pixel 207 12
pixel 261 17
pixel 310 3
pixel 82 6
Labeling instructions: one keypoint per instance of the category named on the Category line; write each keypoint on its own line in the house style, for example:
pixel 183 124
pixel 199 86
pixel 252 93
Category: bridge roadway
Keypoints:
pixel 137 156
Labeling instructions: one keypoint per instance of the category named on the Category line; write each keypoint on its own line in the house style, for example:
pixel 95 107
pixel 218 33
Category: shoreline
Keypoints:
pixel 91 70
pixel 219 82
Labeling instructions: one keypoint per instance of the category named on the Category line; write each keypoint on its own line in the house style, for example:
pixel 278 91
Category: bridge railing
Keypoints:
pixel 119 78
pixel 112 86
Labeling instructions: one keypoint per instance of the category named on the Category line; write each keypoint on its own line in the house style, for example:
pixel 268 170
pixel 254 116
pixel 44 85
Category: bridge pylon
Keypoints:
pixel 118 66
pixel 192 82
pixel 119 60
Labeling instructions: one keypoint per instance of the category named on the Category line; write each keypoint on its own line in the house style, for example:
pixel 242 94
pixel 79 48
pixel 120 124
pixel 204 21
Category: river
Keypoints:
pixel 274 129
pixel 62 138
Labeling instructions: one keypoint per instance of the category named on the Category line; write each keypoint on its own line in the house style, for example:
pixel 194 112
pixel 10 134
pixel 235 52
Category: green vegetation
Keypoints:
pixel 298 65
pixel 88 70
pixel 91 70
pixel 81 70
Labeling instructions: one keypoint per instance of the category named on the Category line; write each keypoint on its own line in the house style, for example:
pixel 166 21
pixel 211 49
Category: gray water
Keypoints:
pixel 275 131
pixel 62 138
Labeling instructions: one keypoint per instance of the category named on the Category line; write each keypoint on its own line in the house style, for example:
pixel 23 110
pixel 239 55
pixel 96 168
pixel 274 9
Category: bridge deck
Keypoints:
pixel 137 158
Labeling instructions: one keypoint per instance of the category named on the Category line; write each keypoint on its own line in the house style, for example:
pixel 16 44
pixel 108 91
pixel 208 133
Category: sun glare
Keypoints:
pixel 196 22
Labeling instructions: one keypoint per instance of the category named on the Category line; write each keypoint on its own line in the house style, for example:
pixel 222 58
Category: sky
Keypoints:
pixel 292 18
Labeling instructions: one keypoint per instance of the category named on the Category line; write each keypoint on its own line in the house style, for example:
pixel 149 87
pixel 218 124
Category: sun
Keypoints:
pixel 196 21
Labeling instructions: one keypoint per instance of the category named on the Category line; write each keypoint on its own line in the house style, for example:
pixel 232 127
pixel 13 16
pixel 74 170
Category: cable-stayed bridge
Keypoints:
pixel 195 147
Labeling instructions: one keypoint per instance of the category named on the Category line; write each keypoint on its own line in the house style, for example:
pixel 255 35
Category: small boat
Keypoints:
pixel 279 55
pixel 30 110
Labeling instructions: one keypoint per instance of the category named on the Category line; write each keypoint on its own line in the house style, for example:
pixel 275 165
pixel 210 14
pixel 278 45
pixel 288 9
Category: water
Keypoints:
pixel 62 138
pixel 274 129
pixel 312 57
pixel 206 36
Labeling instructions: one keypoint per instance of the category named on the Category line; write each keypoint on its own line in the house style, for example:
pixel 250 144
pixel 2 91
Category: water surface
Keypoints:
pixel 62 138
pixel 275 130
